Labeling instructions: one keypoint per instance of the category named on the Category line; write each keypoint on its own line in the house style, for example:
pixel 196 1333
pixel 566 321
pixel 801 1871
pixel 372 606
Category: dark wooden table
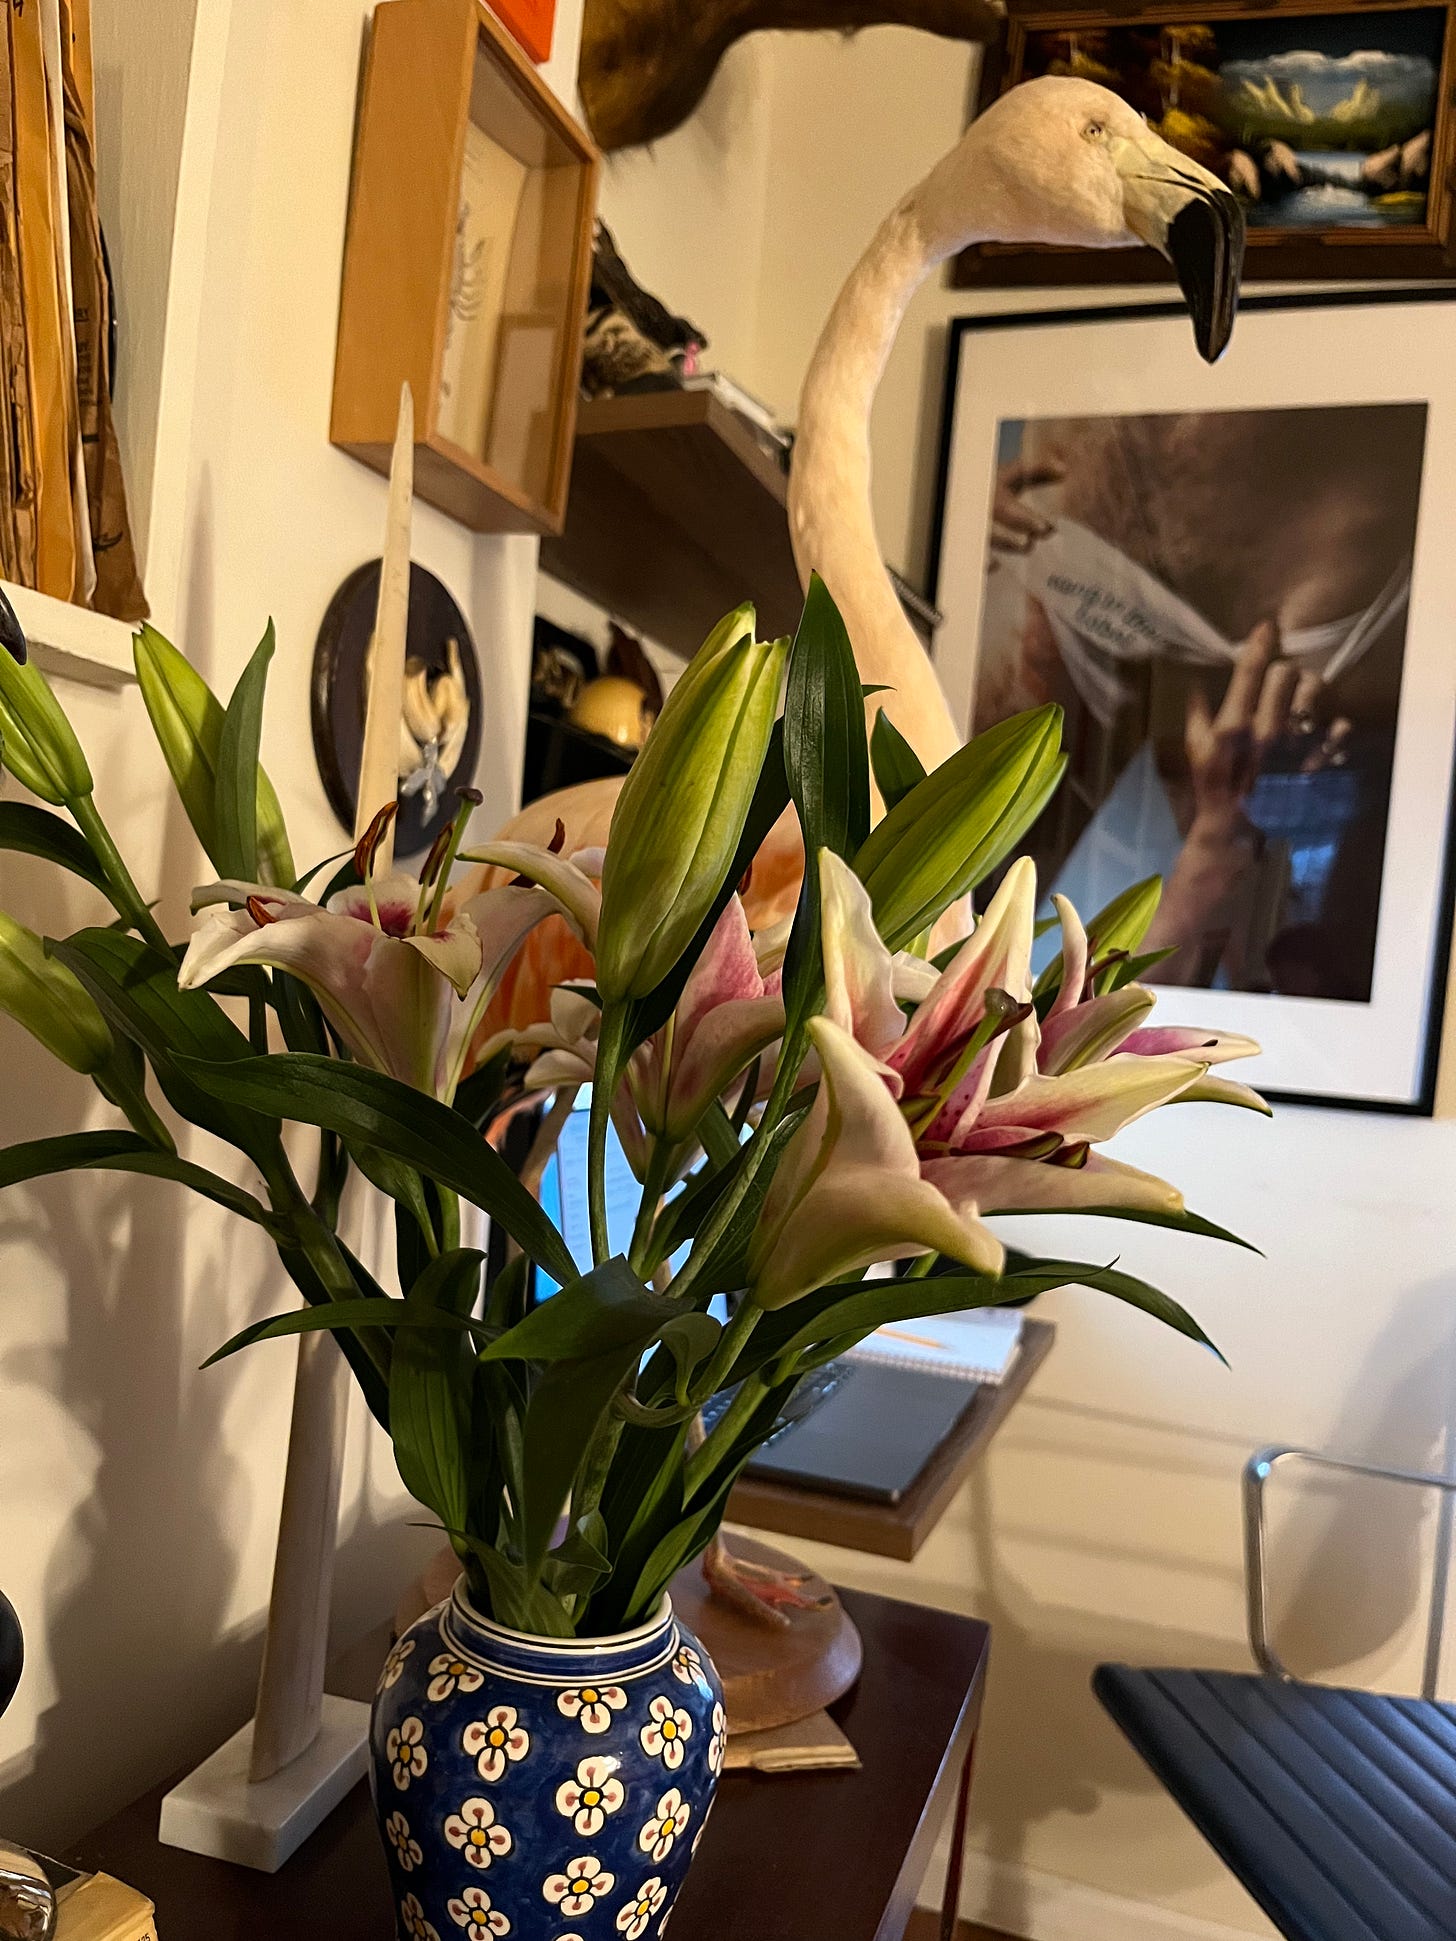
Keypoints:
pixel 832 1856
pixel 896 1529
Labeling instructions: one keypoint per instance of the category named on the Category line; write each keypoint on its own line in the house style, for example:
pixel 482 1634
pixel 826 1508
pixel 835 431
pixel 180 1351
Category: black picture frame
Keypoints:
pixel 1421 1101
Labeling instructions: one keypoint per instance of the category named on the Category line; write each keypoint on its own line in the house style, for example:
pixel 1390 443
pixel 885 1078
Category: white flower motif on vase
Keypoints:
pixel 473 1912
pixel 580 1887
pixel 666 1733
pixel 406 1848
pixel 394 1664
pixel 592 1795
pixel 633 1919
pixel 592 1705
pixel 665 1826
pixel 687 1666
pixel 495 1742
pixel 404 1749
pixel 451 1675
pixel 476 1833
pixel 718 1742
pixel 412 1918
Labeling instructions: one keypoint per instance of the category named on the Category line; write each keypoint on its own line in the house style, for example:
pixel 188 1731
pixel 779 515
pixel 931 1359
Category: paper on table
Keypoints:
pixel 811 1744
pixel 979 1344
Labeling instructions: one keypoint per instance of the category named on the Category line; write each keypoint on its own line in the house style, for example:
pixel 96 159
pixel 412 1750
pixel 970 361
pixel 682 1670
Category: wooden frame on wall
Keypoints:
pixel 1127 47
pixel 466 268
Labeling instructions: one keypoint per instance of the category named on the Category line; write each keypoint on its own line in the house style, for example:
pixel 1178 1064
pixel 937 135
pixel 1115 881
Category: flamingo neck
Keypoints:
pixel 831 512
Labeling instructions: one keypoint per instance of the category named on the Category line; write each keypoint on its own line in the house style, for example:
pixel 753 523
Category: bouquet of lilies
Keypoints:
pixel 799 1105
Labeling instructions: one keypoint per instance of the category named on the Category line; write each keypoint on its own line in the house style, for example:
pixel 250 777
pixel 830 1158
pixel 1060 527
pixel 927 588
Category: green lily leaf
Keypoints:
pixel 235 795
pixel 334 1317
pixel 33 831
pixel 123 1152
pixel 429 1390
pixel 595 1313
pixel 898 768
pixel 393 1118
pixel 826 759
pixel 135 988
pixel 1184 1222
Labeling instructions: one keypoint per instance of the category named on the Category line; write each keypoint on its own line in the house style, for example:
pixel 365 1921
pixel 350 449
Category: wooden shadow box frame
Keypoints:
pixel 433 67
pixel 1292 254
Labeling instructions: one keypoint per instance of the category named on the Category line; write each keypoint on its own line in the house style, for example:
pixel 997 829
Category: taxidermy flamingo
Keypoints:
pixel 1056 160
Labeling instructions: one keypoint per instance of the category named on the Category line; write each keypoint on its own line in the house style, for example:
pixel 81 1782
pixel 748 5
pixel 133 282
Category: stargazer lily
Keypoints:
pixel 850 1190
pixel 1004 1112
pixel 728 1014
pixel 402 980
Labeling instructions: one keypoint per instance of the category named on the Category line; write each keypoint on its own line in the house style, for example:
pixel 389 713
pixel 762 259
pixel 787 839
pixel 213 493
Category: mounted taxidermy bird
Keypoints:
pixel 1056 160
pixel 646 64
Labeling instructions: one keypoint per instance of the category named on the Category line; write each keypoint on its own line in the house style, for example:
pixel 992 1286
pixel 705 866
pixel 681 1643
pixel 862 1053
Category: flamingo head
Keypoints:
pixel 1064 161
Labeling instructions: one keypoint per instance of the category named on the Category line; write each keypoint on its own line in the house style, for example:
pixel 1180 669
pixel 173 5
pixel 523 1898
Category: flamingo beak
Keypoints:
pixel 1188 215
pixel 12 635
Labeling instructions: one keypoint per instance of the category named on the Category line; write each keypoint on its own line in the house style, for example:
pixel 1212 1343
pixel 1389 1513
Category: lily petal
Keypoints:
pixel 1083 1034
pixel 997 955
pixel 849 1191
pixel 859 974
pixel 1225 1091
pixel 1000 1185
pixel 573 889
pixel 1095 1101
pixel 1074 958
pixel 1187 1041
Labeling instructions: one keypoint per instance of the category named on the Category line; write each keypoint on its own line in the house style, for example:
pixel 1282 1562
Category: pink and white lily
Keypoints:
pixel 1005 1113
pixel 850 1189
pixel 729 1013
pixel 400 979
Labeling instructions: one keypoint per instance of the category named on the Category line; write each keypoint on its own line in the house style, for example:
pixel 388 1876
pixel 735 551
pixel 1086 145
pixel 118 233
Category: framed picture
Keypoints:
pixel 1334 124
pixel 1239 584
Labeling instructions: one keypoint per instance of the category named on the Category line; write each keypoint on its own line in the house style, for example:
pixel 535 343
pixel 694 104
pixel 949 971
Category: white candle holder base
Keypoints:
pixel 218 1811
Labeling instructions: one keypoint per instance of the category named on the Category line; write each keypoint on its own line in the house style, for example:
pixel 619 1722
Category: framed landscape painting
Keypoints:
pixel 1238 585
pixel 1333 125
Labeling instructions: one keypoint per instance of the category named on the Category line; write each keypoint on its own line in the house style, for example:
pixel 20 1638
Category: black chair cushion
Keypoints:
pixel 1336 1809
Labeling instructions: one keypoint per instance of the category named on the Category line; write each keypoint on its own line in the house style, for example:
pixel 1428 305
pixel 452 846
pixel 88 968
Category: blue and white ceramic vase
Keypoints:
pixel 547 1789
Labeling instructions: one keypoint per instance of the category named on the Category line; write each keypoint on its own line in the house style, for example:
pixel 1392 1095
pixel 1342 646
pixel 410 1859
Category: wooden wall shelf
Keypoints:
pixel 466 267
pixel 676 515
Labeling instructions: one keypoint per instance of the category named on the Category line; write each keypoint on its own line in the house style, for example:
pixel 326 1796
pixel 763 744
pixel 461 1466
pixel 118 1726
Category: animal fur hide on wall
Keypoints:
pixel 645 64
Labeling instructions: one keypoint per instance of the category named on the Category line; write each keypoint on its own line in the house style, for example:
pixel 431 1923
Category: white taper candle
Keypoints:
pixel 384 705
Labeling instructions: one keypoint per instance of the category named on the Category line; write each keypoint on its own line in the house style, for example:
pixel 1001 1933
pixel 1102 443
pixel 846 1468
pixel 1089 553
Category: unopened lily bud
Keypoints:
pixel 37 743
pixel 953 828
pixel 41 994
pixel 187 720
pixel 683 806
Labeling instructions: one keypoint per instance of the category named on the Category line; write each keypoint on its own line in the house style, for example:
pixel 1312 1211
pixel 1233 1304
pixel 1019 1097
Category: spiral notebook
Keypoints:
pixel 979 1345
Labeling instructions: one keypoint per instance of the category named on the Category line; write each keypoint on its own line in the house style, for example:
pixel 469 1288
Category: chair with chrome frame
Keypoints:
pixel 1335 1808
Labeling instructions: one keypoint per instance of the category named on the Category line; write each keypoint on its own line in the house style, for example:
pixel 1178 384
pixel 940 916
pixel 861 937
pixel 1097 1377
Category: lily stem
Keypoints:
pixel 700 1466
pixel 126 898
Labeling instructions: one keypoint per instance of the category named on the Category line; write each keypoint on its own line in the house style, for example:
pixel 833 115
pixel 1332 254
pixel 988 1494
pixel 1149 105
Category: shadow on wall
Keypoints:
pixel 1351 1583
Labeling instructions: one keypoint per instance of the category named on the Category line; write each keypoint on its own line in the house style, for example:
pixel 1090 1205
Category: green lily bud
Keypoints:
pixel 681 812
pixel 187 720
pixel 41 994
pixel 37 743
pixel 953 828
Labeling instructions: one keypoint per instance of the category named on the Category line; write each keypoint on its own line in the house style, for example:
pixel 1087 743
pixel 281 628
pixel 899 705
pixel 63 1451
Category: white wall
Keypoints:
pixel 139 1497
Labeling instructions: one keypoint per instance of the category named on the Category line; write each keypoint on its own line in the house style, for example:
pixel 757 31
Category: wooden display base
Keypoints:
pixel 772 1674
